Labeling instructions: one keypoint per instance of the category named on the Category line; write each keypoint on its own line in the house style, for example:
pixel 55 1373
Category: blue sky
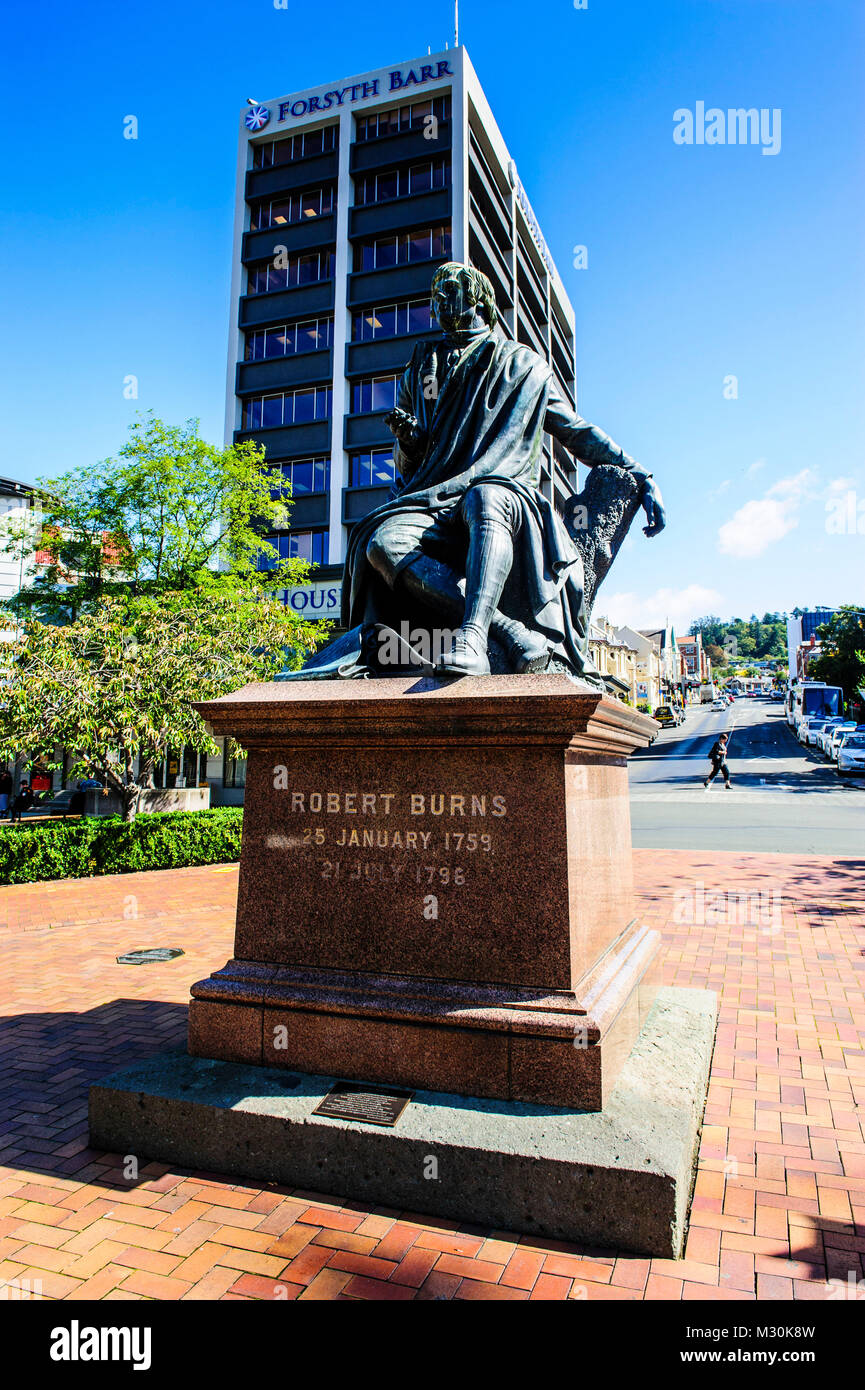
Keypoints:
pixel 704 261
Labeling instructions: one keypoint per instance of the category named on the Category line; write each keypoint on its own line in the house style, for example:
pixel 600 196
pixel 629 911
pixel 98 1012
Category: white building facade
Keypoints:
pixel 349 196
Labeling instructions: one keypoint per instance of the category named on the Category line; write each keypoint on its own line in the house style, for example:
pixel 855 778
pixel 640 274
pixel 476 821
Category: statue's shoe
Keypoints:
pixel 526 651
pixel 467 656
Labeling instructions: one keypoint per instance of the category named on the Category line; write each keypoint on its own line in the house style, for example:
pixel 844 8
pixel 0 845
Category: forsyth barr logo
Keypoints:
pixel 736 126
pixel 257 116
pixel 77 1343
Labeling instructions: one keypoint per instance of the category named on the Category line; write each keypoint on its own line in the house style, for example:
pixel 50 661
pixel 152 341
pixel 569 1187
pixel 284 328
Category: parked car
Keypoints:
pixel 808 728
pixel 824 734
pixel 834 741
pixel 851 755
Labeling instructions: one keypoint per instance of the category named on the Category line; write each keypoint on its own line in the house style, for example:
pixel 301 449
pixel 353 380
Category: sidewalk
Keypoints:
pixel 779 1207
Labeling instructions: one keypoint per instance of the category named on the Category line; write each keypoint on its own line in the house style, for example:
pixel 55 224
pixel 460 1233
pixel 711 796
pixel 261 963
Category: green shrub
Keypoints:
pixel 108 845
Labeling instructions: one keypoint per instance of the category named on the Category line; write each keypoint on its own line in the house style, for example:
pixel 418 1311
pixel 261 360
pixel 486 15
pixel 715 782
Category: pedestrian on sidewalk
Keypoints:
pixel 7 786
pixel 22 802
pixel 718 757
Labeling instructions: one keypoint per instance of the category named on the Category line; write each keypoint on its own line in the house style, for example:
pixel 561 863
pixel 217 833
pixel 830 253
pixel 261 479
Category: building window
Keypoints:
pixel 399 183
pixel 296 545
pixel 391 320
pixel 310 335
pixel 300 146
pixel 292 207
pixel 307 269
pixel 299 407
pixel 372 469
pixel 233 769
pixel 402 118
pixel 374 393
pixel 299 476
pixel 426 244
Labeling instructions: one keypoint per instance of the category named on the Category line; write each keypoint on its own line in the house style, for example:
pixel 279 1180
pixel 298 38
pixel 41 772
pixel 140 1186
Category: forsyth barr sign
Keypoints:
pixel 400 80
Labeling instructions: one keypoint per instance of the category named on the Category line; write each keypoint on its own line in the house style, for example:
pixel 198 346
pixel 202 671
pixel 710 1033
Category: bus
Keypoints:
pixel 813 697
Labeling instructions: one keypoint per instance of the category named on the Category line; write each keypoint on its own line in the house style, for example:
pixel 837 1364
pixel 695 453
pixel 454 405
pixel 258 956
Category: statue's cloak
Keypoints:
pixel 485 424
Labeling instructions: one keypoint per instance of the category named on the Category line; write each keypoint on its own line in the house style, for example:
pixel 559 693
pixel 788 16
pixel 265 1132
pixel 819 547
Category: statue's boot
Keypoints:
pixel 525 650
pixel 488 564
pixel 468 653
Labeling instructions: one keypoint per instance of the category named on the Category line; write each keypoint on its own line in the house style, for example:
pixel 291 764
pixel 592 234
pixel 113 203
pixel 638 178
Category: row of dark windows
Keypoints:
pixel 390 320
pixel 401 183
pixel 291 147
pixel 290 208
pixel 293 207
pixel 300 407
pixel 312 335
pixel 310 403
pixel 401 248
pixel 400 118
pixel 299 476
pixel 309 335
pixel 288 271
pixel 296 545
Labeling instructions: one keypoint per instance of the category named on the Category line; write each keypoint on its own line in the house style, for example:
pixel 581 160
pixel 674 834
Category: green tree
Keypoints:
pixel 842 651
pixel 161 592
pixel 171 512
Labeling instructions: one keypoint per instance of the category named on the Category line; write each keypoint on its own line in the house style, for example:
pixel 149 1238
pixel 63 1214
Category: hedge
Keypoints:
pixel 108 845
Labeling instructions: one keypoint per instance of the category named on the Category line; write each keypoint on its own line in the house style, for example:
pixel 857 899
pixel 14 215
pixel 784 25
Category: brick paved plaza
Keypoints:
pixel 779 1207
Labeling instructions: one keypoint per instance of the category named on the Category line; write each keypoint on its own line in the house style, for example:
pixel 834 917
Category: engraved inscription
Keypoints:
pixel 407 838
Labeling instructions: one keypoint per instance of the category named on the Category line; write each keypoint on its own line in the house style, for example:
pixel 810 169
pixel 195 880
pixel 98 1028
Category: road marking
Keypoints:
pixel 855 797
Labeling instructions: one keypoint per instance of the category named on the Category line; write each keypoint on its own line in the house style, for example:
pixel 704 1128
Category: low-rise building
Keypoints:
pixel 615 658
pixel 647 666
pixel 672 677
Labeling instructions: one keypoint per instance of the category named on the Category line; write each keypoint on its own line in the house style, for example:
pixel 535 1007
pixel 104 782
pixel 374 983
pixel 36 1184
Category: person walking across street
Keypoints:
pixel 718 757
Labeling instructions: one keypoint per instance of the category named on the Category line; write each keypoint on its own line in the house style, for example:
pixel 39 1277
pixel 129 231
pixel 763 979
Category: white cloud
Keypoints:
pixel 764 520
pixel 755 467
pixel 839 485
pixel 722 487
pixel 681 606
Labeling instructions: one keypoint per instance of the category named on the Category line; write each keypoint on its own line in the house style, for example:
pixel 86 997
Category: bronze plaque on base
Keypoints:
pixel 367 1104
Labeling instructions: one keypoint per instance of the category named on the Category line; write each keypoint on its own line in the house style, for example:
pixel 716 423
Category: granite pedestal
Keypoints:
pixel 435 887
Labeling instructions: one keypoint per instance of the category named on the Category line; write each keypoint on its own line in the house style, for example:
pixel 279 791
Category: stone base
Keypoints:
pixel 557 1047
pixel 621 1177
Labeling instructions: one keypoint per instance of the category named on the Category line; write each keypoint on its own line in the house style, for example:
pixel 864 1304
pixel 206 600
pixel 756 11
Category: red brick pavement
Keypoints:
pixel 779 1206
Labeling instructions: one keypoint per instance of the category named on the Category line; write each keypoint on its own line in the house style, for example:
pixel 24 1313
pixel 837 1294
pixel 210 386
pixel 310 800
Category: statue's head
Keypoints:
pixel 458 293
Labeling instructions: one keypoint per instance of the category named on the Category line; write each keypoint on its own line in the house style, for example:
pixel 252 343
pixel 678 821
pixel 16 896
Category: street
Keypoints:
pixel 784 798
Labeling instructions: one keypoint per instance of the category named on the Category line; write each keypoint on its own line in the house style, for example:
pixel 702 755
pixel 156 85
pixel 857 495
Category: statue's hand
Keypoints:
pixel 405 426
pixel 653 505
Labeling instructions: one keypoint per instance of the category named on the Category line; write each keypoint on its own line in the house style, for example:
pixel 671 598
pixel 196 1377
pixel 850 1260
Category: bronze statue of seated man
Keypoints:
pixel 467 538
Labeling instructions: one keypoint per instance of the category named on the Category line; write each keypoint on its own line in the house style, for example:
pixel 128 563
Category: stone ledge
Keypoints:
pixel 620 1178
